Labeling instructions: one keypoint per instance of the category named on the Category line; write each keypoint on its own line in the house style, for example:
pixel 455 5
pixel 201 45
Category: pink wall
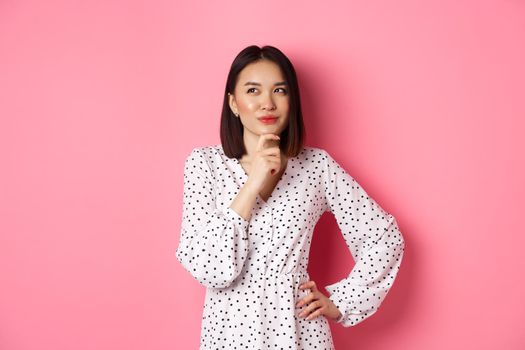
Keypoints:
pixel 422 102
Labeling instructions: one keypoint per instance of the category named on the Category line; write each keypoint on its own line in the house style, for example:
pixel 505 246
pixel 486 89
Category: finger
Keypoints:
pixel 276 151
pixel 310 284
pixel 309 308
pixel 272 161
pixel 263 138
pixel 274 168
pixel 314 305
pixel 318 312
pixel 308 298
pixel 274 157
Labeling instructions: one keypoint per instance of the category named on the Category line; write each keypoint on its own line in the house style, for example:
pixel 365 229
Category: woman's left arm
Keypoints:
pixel 373 238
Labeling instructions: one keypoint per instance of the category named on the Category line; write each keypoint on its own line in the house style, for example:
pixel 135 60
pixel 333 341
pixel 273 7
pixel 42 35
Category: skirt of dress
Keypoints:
pixel 259 312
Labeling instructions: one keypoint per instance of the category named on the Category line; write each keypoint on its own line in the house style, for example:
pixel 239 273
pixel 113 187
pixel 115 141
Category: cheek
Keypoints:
pixel 245 105
pixel 284 105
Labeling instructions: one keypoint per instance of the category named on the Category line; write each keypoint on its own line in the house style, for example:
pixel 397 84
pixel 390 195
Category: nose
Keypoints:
pixel 267 102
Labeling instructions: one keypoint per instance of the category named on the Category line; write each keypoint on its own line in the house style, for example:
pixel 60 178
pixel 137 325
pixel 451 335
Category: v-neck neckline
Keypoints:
pixel 278 185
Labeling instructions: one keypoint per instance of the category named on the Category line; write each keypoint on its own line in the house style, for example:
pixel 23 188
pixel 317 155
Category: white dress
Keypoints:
pixel 252 269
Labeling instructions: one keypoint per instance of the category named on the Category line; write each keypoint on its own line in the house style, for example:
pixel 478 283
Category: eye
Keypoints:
pixel 284 90
pixel 250 89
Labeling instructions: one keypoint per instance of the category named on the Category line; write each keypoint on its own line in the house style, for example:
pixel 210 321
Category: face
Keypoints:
pixel 260 91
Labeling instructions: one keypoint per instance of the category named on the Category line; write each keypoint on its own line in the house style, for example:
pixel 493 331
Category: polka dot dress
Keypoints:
pixel 252 269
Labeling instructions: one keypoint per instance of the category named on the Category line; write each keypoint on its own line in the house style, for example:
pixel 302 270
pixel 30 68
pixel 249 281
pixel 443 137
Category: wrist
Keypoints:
pixel 250 188
pixel 338 317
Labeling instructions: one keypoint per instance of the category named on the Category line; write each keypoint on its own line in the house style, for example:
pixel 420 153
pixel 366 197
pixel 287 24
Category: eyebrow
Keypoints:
pixel 258 84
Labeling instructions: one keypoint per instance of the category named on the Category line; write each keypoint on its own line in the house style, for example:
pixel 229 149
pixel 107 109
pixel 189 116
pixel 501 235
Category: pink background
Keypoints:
pixel 101 101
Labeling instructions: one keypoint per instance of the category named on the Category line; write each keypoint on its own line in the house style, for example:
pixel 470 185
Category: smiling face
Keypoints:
pixel 261 90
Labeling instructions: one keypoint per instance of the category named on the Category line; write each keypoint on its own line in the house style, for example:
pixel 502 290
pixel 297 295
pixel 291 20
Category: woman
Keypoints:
pixel 250 207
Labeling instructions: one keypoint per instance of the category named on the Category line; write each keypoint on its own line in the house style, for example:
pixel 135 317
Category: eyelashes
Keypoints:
pixel 284 90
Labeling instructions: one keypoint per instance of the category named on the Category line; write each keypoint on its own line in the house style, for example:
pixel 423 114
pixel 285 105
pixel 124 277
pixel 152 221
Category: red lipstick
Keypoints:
pixel 268 119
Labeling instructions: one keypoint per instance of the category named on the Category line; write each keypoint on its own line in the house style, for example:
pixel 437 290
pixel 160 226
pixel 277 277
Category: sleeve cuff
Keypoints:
pixel 236 218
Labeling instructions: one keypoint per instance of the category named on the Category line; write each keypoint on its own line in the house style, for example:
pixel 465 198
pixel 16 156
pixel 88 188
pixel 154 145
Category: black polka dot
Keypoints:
pixel 252 268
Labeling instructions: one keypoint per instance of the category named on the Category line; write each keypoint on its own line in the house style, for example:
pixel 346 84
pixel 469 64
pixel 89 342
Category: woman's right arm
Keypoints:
pixel 213 243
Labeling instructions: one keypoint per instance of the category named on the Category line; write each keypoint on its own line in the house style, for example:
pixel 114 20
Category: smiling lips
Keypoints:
pixel 268 119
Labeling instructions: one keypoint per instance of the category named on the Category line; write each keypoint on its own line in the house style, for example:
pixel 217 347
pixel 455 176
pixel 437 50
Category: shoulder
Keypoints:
pixel 202 157
pixel 203 152
pixel 326 160
pixel 323 154
pixel 315 154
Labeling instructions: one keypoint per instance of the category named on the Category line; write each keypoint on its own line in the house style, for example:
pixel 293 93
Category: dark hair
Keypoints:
pixel 231 129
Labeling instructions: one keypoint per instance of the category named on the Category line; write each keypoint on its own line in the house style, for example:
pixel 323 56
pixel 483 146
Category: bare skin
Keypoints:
pixel 264 162
pixel 318 303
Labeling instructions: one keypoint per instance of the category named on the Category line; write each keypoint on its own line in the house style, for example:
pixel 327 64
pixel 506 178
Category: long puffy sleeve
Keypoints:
pixel 373 238
pixel 213 243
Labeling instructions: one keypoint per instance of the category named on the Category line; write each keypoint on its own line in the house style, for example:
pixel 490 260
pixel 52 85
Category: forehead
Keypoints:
pixel 262 71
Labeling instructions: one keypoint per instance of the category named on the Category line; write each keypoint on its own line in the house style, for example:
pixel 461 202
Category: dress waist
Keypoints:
pixel 299 275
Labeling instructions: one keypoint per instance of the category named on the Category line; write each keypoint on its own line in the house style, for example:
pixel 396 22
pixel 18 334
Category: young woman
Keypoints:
pixel 249 210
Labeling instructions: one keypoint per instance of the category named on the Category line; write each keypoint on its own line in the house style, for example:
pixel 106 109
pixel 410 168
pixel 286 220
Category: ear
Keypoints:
pixel 232 103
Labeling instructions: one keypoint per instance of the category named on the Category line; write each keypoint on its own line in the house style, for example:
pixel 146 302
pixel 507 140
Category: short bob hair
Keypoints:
pixel 231 129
